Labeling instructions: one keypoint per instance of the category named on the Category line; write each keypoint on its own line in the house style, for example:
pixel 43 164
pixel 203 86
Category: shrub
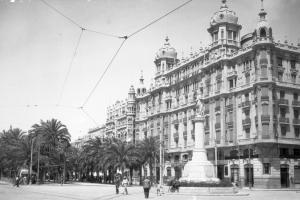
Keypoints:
pixel 222 183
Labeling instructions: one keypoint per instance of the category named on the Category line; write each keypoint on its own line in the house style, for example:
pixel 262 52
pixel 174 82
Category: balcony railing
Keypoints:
pixel 246 104
pixel 265 118
pixel 231 74
pixel 185 134
pixel 176 135
pixel 296 121
pixel 229 107
pixel 296 103
pixel 246 122
pixel 284 120
pixel 175 121
pixel 192 117
pixel 230 124
pixel 283 102
pixel 217 125
pixel 265 98
pixel 193 134
pixel 206 111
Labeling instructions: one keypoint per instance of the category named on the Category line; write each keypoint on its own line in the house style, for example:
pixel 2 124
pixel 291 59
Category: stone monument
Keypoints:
pixel 199 169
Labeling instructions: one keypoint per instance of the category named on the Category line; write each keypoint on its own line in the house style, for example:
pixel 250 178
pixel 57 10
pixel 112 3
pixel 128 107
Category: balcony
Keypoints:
pixel 176 135
pixel 185 135
pixel 296 122
pixel 246 104
pixel 217 108
pixel 265 98
pixel 231 74
pixel 193 134
pixel 265 118
pixel 175 121
pixel 284 120
pixel 296 103
pixel 283 102
pixel 206 111
pixel 246 122
pixel 192 117
pixel 230 124
pixel 184 119
pixel 206 128
pixel 217 125
pixel 229 107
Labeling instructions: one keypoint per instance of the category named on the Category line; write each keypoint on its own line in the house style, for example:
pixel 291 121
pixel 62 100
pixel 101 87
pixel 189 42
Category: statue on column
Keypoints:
pixel 200 108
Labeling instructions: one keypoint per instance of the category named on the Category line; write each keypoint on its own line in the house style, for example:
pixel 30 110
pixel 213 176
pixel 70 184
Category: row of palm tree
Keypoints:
pixel 42 149
pixel 113 155
pixel 46 149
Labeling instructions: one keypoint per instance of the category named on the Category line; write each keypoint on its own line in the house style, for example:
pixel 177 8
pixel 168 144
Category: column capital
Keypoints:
pixel 199 118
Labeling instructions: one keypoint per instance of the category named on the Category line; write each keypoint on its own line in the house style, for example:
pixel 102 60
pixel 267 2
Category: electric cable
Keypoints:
pixel 88 115
pixel 70 66
pixel 102 75
pixel 158 19
pixel 74 22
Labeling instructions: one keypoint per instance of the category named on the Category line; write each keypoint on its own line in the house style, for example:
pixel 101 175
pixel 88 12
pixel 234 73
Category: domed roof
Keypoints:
pixel 166 51
pixel 224 15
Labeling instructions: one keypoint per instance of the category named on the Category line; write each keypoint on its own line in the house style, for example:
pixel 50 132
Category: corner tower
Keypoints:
pixel 224 31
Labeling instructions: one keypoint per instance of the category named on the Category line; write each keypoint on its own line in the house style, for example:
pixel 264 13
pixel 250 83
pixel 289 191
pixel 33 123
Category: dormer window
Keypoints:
pixel 263 32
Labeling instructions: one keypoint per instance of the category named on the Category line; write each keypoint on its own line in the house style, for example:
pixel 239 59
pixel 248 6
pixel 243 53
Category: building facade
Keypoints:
pixel 250 87
pixel 92 133
pixel 120 118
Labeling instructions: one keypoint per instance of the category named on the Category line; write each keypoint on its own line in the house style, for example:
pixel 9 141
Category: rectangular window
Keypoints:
pixel 282 93
pixel 283 152
pixel 234 35
pixel 279 61
pixel 297 132
pixel 283 130
pixel 231 83
pixel 264 91
pixel 265 129
pixel 293 64
pixel 264 72
pixel 280 76
pixel 247 131
pixel 265 109
pixel 229 35
pixel 226 171
pixel 296 113
pixel 218 118
pixel 247 79
pixel 219 85
pixel 218 137
pixel 266 169
pixel 295 96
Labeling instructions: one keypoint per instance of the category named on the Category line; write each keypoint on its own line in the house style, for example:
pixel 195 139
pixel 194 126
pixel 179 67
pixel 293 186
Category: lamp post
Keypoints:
pixel 30 167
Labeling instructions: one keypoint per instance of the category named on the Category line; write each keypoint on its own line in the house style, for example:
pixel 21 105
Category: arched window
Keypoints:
pixel 262 32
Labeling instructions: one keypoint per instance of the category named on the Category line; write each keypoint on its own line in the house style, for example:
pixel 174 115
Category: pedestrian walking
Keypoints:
pixel 17 181
pixel 146 186
pixel 117 183
pixel 125 184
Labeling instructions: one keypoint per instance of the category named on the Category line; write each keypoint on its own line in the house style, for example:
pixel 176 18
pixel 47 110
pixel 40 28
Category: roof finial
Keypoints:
pixel 141 78
pixel 224 4
pixel 262 14
pixel 167 40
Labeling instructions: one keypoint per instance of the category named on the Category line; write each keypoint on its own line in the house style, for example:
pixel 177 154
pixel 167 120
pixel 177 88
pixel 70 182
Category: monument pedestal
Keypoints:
pixel 199 169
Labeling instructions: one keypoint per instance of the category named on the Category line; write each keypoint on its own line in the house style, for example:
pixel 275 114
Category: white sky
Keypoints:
pixel 36 47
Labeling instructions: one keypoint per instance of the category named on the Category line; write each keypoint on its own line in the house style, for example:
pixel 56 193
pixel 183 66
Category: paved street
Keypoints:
pixel 107 192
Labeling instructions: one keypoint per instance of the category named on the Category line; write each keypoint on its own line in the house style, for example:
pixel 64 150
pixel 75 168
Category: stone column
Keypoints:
pixel 199 153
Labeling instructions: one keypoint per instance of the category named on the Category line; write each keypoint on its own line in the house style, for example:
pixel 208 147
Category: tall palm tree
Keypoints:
pixel 119 154
pixel 149 150
pixel 54 138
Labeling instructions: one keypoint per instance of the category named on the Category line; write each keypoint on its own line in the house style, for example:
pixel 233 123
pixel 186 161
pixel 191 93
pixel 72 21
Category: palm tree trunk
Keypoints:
pixel 38 167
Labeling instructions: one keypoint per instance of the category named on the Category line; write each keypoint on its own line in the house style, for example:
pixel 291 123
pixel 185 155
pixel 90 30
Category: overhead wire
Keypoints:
pixel 111 61
pixel 70 66
pixel 103 73
pixel 158 19
pixel 75 23
pixel 88 115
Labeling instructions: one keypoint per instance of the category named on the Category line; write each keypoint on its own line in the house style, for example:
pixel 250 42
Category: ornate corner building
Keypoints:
pixel 250 87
